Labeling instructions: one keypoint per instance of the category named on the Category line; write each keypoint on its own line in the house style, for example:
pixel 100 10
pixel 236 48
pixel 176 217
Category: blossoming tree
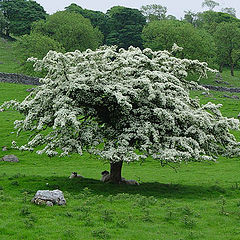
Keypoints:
pixel 123 105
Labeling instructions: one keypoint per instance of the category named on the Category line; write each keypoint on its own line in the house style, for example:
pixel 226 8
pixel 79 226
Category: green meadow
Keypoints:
pixel 197 201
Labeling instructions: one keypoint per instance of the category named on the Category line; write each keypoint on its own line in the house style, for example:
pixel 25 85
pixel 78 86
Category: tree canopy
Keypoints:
pixel 227 36
pixel 154 12
pixel 71 30
pixel 126 26
pixel 124 106
pixel 20 15
pixel 196 43
pixel 34 45
pixel 97 18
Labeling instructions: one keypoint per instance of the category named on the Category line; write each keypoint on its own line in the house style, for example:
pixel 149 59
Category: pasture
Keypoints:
pixel 199 201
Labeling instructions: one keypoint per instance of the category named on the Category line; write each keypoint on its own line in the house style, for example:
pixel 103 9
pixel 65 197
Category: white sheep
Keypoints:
pixel 105 176
pixel 75 175
pixel 130 182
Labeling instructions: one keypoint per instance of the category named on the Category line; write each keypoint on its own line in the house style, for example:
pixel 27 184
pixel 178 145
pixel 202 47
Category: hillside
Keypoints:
pixel 8 61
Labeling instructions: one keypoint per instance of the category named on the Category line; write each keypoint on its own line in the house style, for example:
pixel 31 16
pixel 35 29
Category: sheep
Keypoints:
pixel 130 182
pixel 75 175
pixel 105 176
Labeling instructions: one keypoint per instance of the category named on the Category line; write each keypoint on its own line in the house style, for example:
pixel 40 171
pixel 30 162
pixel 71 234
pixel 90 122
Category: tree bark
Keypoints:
pixel 116 172
pixel 232 69
pixel 221 68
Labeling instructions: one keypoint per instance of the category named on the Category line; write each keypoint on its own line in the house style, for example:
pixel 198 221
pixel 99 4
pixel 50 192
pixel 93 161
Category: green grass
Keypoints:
pixel 234 81
pixel 200 201
pixel 9 63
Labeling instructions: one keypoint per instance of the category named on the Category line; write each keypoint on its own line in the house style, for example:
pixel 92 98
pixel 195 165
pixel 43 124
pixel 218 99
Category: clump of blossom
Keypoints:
pixel 123 105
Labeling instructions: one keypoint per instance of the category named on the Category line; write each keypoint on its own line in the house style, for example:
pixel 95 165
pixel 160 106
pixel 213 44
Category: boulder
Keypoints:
pixel 49 198
pixel 30 89
pixel 10 158
pixel 4 148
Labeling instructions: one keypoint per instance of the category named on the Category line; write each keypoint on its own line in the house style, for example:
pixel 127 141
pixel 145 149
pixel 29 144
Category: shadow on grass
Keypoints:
pixel 74 186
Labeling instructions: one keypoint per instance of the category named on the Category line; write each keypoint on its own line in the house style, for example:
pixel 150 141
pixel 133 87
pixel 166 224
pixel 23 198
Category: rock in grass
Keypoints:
pixel 10 158
pixel 30 89
pixel 1 110
pixel 4 148
pixel 49 198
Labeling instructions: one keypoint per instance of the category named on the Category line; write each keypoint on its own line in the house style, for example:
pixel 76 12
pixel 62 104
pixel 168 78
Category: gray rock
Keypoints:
pixel 48 203
pixel 10 158
pixel 4 148
pixel 30 89
pixel 47 197
pixel 1 110
pixel 235 97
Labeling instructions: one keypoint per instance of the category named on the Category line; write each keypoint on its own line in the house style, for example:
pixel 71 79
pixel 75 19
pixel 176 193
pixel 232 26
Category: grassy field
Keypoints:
pixel 199 201
pixel 8 61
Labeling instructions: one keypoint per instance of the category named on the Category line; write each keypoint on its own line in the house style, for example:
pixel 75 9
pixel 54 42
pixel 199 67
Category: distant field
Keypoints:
pixel 200 201
pixel 226 77
pixel 8 62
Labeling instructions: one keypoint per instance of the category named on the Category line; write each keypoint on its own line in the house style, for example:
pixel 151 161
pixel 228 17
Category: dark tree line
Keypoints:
pixel 209 36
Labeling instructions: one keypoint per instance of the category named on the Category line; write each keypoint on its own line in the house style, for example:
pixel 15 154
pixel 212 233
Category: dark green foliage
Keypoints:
pixel 209 20
pixel 154 12
pixel 97 18
pixel 126 26
pixel 20 15
pixel 71 30
pixel 227 37
pixel 34 45
pixel 196 43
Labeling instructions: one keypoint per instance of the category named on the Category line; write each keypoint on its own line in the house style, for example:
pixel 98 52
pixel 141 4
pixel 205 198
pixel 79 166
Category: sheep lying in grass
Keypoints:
pixel 106 178
pixel 130 182
pixel 75 175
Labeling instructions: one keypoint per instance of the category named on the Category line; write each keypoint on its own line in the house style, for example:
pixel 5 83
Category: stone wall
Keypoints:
pixel 18 78
pixel 23 79
pixel 222 89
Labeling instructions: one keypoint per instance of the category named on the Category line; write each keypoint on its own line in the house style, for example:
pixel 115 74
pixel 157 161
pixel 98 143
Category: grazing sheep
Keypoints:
pixel 105 176
pixel 75 175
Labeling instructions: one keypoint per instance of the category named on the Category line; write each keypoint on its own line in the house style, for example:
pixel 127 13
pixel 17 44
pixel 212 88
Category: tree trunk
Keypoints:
pixel 232 69
pixel 221 68
pixel 116 172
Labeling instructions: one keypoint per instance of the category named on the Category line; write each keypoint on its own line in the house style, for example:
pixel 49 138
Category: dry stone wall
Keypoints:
pixel 23 79
pixel 18 78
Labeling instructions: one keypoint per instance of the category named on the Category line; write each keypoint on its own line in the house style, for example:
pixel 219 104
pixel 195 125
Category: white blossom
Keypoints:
pixel 123 105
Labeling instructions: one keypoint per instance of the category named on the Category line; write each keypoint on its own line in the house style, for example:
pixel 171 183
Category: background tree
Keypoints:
pixel 196 43
pixel 210 4
pixel 124 106
pixel 71 30
pixel 190 17
pixel 4 24
pixel 21 14
pixel 227 38
pixel 229 10
pixel 126 26
pixel 97 18
pixel 209 20
pixel 154 12
pixel 34 45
